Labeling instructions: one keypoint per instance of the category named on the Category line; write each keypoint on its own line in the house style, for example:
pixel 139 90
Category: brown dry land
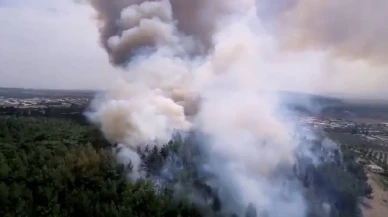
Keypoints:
pixel 377 206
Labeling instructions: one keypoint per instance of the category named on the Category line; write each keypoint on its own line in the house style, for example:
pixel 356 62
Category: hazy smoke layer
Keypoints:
pixel 350 28
pixel 350 33
pixel 215 67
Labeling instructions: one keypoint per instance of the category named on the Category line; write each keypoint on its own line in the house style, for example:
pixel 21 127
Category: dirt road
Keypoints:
pixel 377 206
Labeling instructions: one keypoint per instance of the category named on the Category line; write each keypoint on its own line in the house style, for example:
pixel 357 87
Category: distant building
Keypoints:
pixel 375 168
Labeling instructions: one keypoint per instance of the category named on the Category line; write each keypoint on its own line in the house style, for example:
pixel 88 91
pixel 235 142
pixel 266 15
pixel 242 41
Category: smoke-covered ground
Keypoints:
pixel 211 72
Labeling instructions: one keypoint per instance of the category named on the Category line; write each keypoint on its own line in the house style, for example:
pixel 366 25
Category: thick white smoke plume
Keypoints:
pixel 215 67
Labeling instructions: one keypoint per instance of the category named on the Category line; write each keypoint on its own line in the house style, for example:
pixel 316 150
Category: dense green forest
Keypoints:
pixel 63 167
pixel 53 167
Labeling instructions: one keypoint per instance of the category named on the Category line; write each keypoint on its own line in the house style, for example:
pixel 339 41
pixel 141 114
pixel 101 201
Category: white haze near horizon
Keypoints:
pixel 54 45
pixel 51 45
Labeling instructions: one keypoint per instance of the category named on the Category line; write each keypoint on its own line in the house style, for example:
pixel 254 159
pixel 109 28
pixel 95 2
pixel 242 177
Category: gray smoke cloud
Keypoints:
pixel 352 28
pixel 215 67
pixel 134 23
pixel 340 43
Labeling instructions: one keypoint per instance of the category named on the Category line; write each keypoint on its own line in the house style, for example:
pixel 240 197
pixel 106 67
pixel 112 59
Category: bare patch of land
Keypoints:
pixel 377 205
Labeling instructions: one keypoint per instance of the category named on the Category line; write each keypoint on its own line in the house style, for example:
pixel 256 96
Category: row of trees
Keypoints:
pixel 74 112
pixel 377 156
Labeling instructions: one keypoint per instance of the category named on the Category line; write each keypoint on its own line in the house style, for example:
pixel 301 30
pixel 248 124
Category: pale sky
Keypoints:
pixel 51 44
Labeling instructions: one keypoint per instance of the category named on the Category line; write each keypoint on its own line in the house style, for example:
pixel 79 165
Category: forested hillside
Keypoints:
pixel 52 167
pixel 59 167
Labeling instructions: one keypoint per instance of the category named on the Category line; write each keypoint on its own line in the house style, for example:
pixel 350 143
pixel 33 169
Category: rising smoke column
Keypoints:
pixel 213 67
pixel 165 71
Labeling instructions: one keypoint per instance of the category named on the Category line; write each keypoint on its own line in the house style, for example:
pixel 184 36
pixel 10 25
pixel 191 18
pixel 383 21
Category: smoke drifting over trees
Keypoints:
pixel 214 68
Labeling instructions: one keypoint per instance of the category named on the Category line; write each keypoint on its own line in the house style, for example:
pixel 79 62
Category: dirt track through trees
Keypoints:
pixel 377 206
